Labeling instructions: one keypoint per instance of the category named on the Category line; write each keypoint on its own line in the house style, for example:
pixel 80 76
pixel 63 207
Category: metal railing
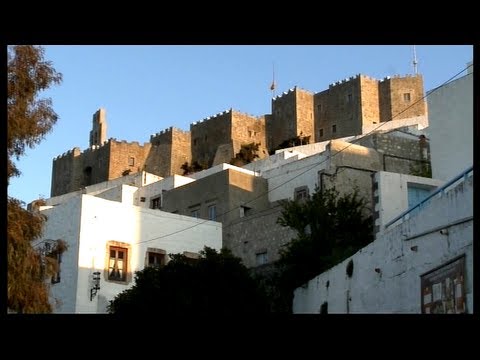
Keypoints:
pixel 463 174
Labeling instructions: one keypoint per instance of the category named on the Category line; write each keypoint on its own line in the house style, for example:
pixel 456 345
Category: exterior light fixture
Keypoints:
pixel 377 270
pixel 95 284
pixel 414 248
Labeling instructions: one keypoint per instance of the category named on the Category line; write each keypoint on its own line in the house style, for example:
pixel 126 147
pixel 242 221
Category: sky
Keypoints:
pixel 146 89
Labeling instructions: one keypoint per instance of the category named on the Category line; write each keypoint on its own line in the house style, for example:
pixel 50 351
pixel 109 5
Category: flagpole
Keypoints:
pixel 272 87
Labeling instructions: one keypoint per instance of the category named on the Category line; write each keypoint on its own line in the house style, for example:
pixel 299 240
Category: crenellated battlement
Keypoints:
pixel 69 154
pixel 167 132
pixel 398 77
pixel 196 123
pixel 300 111
pixel 285 93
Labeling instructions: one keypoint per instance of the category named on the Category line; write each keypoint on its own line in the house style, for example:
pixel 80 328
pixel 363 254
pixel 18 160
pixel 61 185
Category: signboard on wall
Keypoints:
pixel 443 288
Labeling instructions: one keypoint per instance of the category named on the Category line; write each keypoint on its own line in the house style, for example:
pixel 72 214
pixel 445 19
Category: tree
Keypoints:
pixel 216 283
pixel 29 120
pixel 247 154
pixel 330 227
pixel 190 169
pixel 294 141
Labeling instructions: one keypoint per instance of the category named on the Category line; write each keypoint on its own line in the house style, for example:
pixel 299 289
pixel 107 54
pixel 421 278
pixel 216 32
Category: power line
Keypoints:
pixel 313 165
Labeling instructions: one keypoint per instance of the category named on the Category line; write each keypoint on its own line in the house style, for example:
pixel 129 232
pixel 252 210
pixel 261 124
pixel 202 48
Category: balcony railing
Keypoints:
pixel 441 189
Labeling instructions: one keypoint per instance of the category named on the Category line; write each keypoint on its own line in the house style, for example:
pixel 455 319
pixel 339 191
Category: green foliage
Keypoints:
pixel 330 227
pixel 216 283
pixel 28 120
pixel 27 271
pixel 193 168
pixel 247 154
pixel 294 141
pixel 422 168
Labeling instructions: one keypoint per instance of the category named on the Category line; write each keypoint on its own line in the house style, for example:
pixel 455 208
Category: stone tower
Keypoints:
pixel 401 97
pixel 98 134
pixel 292 115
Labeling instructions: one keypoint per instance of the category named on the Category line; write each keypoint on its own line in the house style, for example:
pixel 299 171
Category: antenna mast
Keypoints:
pixel 415 62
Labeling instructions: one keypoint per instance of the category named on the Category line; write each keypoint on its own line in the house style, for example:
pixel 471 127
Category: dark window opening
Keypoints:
pixel 155 259
pixel 156 203
pixel 87 176
pixel 301 194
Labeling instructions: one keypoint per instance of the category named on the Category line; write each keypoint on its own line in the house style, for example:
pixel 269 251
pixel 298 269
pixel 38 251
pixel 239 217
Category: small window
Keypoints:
pixel 195 213
pixel 117 265
pixel 194 141
pixel 245 211
pixel 212 212
pixel 406 97
pixel 301 194
pixel 334 129
pixel 131 161
pixel 142 199
pixel 321 132
pixel 349 98
pixel 156 203
pixel 261 258
pixel 156 259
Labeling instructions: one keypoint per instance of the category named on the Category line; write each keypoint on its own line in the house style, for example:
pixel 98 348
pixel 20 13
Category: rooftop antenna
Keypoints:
pixel 272 87
pixel 415 62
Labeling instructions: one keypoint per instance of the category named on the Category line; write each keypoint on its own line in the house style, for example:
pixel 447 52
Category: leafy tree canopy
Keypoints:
pixel 247 154
pixel 28 120
pixel 294 141
pixel 216 283
pixel 330 227
pixel 193 168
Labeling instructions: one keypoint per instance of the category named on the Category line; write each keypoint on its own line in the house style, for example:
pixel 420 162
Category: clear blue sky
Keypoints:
pixel 145 89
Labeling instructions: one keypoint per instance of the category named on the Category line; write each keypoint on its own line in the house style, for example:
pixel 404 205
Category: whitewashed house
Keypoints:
pixel 108 241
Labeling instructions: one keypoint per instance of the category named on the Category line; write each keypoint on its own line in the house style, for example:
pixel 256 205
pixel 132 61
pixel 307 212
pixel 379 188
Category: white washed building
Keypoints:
pixel 114 239
pixel 422 263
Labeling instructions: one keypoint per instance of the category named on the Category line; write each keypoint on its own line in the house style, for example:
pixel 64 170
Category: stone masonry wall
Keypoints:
pixel 400 97
pixel 208 134
pixel 338 110
pixel 282 124
pixel 120 154
pixel 304 114
pixel 370 106
pixel 257 233
pixel 401 155
pixel 181 151
pixel 62 172
pixel 247 129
